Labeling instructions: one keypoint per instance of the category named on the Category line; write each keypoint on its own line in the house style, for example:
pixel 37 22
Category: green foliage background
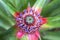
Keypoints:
pixel 51 10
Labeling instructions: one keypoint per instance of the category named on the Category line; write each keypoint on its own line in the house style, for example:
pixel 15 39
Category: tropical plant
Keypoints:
pixel 50 10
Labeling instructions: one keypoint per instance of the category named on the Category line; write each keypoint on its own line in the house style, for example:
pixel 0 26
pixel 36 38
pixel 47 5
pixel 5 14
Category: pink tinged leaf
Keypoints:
pixel 28 8
pixel 37 34
pixel 38 10
pixel 16 14
pixel 44 20
pixel 33 36
pixel 19 34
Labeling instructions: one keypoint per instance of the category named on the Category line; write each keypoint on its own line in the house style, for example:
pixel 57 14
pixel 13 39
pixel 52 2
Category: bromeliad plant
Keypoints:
pixel 29 22
pixel 29 19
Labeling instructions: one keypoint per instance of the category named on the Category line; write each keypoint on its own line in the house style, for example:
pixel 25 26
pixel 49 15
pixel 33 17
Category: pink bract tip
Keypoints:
pixel 19 35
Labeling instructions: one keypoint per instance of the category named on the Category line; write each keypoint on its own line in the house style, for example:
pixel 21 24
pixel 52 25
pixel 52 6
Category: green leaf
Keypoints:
pixel 19 5
pixel 6 20
pixel 52 35
pixel 52 11
pixel 39 3
pixel 2 30
pixel 55 13
pixel 53 22
pixel 9 34
pixel 48 9
pixel 4 6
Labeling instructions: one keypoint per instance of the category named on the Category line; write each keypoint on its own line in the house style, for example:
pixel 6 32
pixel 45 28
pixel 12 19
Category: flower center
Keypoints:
pixel 29 19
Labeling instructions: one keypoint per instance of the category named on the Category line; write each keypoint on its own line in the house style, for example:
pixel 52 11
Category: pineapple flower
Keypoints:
pixel 29 22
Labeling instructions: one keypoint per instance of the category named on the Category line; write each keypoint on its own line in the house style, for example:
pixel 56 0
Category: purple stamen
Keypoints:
pixel 21 14
pixel 21 25
pixel 24 27
pixel 18 19
pixel 26 30
pixel 39 21
pixel 25 11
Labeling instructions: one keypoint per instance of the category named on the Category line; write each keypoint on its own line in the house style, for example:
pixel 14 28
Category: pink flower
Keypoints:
pixel 29 22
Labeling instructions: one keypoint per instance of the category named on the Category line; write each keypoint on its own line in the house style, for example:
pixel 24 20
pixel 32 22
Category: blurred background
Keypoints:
pixel 50 10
